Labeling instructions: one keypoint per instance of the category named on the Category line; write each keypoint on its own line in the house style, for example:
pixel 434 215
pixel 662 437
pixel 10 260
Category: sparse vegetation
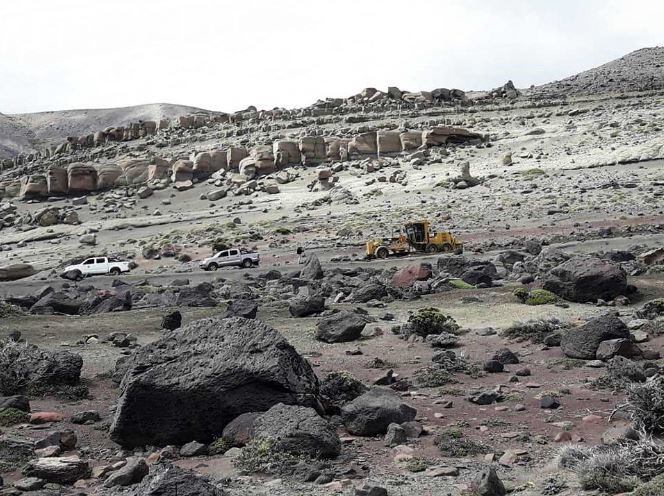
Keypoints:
pixel 535 297
pixel 460 284
pixel 12 416
pixel 433 377
pixel 219 446
pixel 452 443
pixel 614 468
pixel 533 330
pixel 646 405
pixel 416 465
pixel 260 456
pixel 431 321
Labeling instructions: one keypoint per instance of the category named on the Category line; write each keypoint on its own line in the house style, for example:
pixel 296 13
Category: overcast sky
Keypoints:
pixel 226 55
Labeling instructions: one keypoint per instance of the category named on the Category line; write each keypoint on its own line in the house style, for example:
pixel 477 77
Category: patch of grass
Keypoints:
pixel 614 468
pixel 654 487
pixel 535 297
pixel 260 456
pixel 535 171
pixel 433 377
pixel 460 284
pixel 416 465
pixel 220 446
pixel 646 405
pixel 453 444
pixel 12 416
pixel 432 321
pixel 533 330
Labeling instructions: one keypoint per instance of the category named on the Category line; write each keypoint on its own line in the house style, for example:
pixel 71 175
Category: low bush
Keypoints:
pixel 431 321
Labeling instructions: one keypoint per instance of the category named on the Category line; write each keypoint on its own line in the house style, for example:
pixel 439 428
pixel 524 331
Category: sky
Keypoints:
pixel 226 55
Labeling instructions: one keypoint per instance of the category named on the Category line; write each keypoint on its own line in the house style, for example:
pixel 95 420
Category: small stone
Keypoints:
pixel 549 402
pixel 563 437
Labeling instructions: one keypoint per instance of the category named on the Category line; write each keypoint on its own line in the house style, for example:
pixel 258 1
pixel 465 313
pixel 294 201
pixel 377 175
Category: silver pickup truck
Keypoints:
pixel 231 258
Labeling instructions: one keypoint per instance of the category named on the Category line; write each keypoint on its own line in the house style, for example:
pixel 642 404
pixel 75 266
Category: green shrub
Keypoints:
pixel 12 416
pixel 535 297
pixel 533 330
pixel 260 456
pixel 535 171
pixel 416 464
pixel 655 487
pixel 453 444
pixel 433 377
pixel 460 284
pixel 283 230
pixel 431 321
pixel 220 446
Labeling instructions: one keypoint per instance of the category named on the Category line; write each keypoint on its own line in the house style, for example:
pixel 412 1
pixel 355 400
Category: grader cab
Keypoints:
pixel 417 237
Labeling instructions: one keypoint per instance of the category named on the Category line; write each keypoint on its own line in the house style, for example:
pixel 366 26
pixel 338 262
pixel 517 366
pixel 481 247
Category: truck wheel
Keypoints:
pixel 431 248
pixel 382 252
pixel 212 266
pixel 114 271
pixel 247 263
pixel 446 248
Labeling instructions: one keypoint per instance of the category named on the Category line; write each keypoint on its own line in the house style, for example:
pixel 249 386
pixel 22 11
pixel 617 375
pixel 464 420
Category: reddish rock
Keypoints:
pixel 406 277
pixel 45 417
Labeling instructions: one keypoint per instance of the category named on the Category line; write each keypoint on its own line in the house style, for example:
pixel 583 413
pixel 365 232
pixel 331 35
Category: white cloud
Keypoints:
pixel 225 55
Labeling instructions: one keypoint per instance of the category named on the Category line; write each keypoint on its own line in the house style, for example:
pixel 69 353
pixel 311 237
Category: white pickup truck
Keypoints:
pixel 229 258
pixel 96 266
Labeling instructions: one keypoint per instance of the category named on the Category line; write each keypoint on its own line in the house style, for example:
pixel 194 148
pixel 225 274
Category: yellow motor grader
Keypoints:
pixel 417 238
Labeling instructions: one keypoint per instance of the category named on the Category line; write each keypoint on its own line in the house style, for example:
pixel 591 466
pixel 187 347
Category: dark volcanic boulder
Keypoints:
pixel 120 301
pixel 584 279
pixel 303 306
pixel 312 269
pixel 373 412
pixel 240 430
pixel 583 342
pixel 340 327
pixel 172 320
pixel 17 402
pixel 56 302
pixel 475 277
pixel 242 308
pixel 197 296
pixel 25 367
pixel 298 430
pixel 369 291
pixel 193 382
pixel 169 480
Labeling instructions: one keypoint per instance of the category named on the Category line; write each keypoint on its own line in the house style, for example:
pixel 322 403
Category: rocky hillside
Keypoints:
pixel 26 133
pixel 641 70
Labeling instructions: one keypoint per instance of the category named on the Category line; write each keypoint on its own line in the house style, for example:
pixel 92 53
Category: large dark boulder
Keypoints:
pixel 340 327
pixel 241 430
pixel 242 308
pixel 312 269
pixel 584 279
pixel 298 430
pixel 191 383
pixel 120 301
pixel 172 320
pixel 583 342
pixel 368 291
pixel 25 367
pixel 338 388
pixel 372 413
pixel 16 402
pixel 170 480
pixel 304 306
pixel 56 302
pixel 196 296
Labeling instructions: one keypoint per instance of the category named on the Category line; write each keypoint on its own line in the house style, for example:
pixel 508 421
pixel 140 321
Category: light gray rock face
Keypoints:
pixel 63 470
pixel 191 383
